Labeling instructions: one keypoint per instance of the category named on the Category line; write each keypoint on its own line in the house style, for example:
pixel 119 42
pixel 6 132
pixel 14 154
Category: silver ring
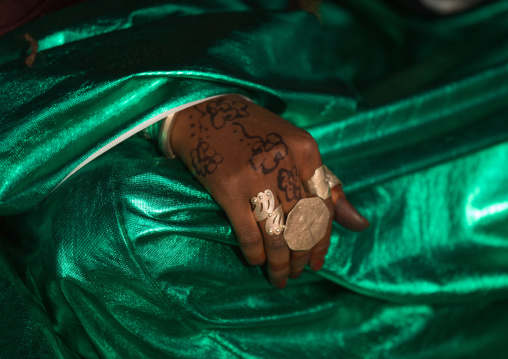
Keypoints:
pixel 318 184
pixel 332 179
pixel 306 224
pixel 265 209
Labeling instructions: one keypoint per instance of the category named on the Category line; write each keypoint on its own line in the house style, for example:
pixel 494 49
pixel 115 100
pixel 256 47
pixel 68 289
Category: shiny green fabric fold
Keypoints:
pixel 164 277
pixel 130 257
pixel 77 105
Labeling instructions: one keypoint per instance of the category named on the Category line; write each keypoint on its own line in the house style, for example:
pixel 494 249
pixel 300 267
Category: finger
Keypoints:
pixel 247 233
pixel 290 192
pixel 345 214
pixel 298 261
pixel 277 253
pixel 319 251
pixel 276 249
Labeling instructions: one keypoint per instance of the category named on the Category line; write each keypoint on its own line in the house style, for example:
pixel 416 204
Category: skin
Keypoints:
pixel 237 149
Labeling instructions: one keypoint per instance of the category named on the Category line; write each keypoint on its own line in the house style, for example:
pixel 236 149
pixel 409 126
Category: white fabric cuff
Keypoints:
pixel 135 130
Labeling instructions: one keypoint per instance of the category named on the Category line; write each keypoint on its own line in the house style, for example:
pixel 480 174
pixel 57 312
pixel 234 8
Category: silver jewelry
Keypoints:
pixel 165 136
pixel 306 224
pixel 265 209
pixel 318 184
pixel 331 178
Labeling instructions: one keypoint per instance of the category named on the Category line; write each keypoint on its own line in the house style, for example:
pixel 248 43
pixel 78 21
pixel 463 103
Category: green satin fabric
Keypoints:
pixel 131 258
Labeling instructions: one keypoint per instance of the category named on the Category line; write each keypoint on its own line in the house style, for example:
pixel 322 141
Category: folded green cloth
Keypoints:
pixel 131 258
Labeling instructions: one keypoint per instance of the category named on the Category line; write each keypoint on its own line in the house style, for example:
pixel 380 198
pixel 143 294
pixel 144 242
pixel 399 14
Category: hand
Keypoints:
pixel 237 149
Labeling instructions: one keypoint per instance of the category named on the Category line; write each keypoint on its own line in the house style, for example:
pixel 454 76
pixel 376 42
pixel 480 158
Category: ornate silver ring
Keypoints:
pixel 265 209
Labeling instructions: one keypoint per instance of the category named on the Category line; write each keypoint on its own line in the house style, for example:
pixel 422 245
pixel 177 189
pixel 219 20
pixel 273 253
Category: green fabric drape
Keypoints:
pixel 130 257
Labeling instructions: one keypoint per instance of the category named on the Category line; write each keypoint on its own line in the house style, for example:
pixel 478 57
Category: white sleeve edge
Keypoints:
pixel 137 129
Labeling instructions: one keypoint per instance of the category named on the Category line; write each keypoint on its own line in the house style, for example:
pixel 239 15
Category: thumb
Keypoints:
pixel 345 214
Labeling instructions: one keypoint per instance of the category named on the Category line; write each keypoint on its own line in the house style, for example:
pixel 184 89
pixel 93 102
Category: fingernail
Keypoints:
pixel 295 275
pixel 318 265
pixel 282 283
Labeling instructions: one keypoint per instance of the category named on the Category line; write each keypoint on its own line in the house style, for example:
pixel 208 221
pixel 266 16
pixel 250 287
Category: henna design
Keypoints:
pixel 205 159
pixel 224 110
pixel 266 153
pixel 289 183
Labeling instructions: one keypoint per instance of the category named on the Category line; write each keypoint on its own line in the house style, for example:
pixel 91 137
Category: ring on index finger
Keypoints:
pixel 265 209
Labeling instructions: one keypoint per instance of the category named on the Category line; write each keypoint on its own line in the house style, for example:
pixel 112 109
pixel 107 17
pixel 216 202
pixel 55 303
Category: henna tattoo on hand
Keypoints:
pixel 289 183
pixel 205 159
pixel 266 153
pixel 224 110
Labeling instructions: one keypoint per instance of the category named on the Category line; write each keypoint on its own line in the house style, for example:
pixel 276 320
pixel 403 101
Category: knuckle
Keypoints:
pixel 256 260
pixel 235 180
pixel 298 265
pixel 241 185
pixel 307 143
pixel 301 260
pixel 300 255
pixel 280 269
pixel 277 242
pixel 249 239
pixel 230 183
pixel 321 247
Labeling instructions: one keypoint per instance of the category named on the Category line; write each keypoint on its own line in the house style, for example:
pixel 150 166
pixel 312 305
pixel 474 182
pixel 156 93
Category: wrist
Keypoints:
pixel 174 133
pixel 165 136
pixel 179 132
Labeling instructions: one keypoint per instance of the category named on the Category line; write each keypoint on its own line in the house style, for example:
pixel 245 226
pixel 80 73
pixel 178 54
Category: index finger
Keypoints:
pixel 247 233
